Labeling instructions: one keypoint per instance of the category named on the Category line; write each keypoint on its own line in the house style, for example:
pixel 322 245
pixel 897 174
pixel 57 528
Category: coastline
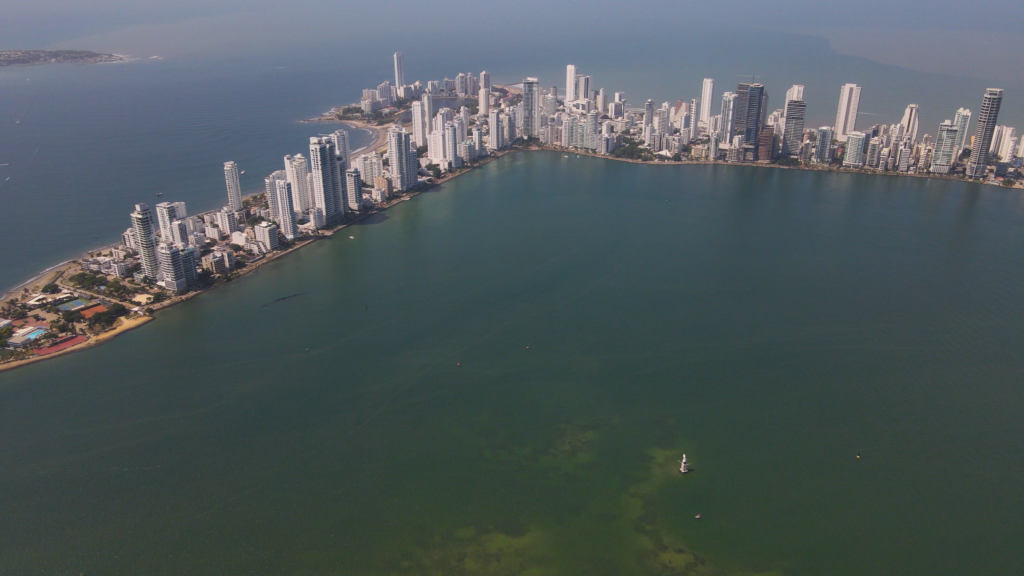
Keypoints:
pixel 54 273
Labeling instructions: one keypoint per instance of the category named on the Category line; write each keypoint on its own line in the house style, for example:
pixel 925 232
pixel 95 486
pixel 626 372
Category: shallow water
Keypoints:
pixel 771 324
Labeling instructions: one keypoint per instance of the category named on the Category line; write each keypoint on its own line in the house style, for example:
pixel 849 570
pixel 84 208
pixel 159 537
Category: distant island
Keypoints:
pixel 29 57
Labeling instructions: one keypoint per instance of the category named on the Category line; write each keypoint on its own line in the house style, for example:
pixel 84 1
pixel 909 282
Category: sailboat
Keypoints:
pixel 682 465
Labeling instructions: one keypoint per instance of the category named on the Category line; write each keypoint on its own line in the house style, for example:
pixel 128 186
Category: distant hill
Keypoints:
pixel 27 57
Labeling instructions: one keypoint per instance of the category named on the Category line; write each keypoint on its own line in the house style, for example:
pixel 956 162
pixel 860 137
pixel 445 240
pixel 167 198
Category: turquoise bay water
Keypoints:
pixel 390 419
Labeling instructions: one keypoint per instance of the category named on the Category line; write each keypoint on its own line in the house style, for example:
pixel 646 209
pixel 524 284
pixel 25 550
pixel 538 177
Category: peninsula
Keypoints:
pixel 29 57
pixel 424 134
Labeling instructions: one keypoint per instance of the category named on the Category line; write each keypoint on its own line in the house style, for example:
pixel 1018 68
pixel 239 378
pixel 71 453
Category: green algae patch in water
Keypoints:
pixel 465 552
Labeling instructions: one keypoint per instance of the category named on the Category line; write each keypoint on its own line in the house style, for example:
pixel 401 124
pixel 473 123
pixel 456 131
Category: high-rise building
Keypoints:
pixel 570 83
pixel 485 80
pixel 846 116
pixel 419 122
pixel 179 233
pixel 766 144
pixel 234 186
pixel 341 149
pixel 179 209
pixel 962 120
pixel 582 87
pixel 793 127
pixel 945 147
pixel 399 70
pixel 166 212
pixel 601 101
pixel 353 189
pixel 987 119
pixel 531 107
pixel 484 102
pixel 910 121
pixel 296 170
pixel 285 209
pixel 795 92
pixel 402 159
pixel 270 191
pixel 823 147
pixel 706 94
pixel 171 270
pixel 757 101
pixel 855 144
pixel 495 138
pixel 740 108
pixel 142 226
pixel 267 234
pixel 694 115
pixel 649 113
pixel 728 121
pixel 227 221
pixel 327 186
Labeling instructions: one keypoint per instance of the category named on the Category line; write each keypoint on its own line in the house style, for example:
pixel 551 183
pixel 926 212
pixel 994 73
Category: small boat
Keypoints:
pixel 858 456
pixel 697 516
pixel 242 172
pixel 565 155
pixel 159 193
pixel 352 237
pixel 7 164
pixel 682 465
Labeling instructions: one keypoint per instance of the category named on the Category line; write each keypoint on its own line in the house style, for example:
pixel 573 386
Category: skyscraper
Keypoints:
pixel 855 144
pixel 823 147
pixel 142 225
pixel 171 270
pixel 945 147
pixel 909 122
pixel 531 107
pixel 270 190
pixel 285 209
pixel 402 159
pixel 296 170
pixel 399 70
pixel 582 87
pixel 793 127
pixel 570 83
pixel 846 116
pixel 485 80
pixel 419 122
pixel 166 212
pixel 962 121
pixel 740 109
pixel 706 94
pixel 795 92
pixel 353 189
pixel 341 150
pixel 327 186
pixel 757 101
pixel 987 119
pixel 649 113
pixel 728 117
pixel 234 187
pixel 483 102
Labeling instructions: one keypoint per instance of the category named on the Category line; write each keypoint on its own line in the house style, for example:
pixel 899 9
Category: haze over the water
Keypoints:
pixel 978 39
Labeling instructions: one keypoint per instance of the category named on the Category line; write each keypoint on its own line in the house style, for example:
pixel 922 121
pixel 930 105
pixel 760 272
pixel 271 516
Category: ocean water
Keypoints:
pixel 498 377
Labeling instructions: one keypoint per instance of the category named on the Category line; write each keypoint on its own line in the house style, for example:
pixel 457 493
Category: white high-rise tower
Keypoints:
pixel 705 100
pixel 399 71
pixel 570 83
pixel 962 120
pixel 296 170
pixel 327 186
pixel 234 187
pixel 909 122
pixel 142 225
pixel 846 116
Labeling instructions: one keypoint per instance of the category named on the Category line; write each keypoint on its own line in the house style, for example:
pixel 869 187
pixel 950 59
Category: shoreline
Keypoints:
pixel 58 270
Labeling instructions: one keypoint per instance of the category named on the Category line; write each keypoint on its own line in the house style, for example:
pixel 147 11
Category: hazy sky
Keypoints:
pixel 980 38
